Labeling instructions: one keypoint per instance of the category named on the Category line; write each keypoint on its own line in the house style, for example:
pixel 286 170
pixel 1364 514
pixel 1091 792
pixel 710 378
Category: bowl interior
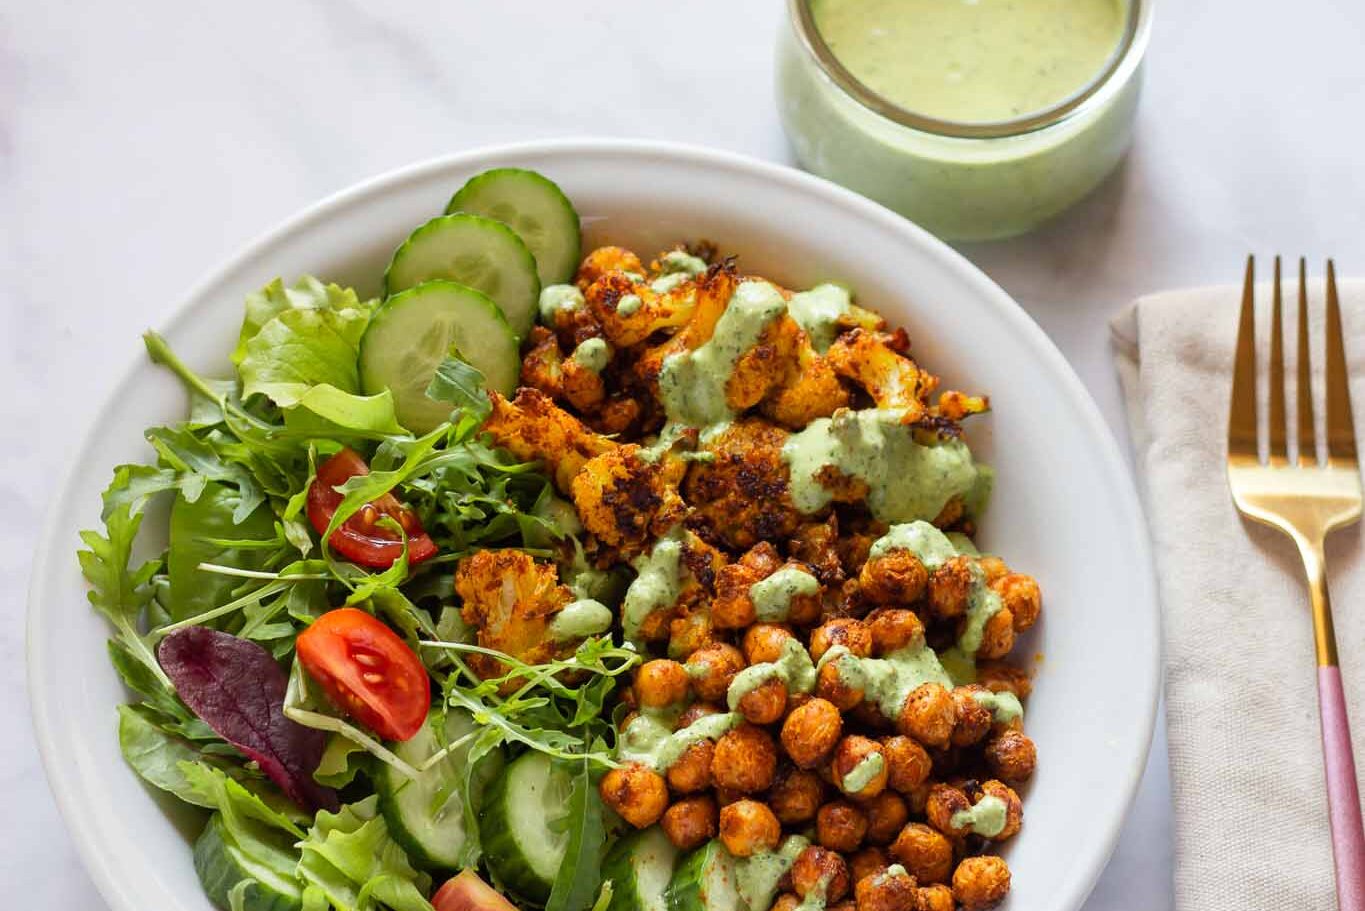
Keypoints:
pixel 1064 508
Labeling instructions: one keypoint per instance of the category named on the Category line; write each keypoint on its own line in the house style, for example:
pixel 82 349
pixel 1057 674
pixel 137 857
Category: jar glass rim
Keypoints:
pixel 1120 64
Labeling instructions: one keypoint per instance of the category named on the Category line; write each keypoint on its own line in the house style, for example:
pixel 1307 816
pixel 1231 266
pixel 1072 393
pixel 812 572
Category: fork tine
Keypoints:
pixel 1308 446
pixel 1341 433
pixel 1242 413
pixel 1279 448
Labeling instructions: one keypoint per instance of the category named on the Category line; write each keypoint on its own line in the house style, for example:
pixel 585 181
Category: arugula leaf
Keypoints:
pixel 580 872
pixel 117 592
pixel 194 525
pixel 213 788
pixel 461 384
pixel 134 485
pixel 350 856
pixel 196 458
pixel 299 349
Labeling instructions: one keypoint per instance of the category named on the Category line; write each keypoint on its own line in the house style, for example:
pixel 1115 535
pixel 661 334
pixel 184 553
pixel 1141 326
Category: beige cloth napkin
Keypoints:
pixel 1251 827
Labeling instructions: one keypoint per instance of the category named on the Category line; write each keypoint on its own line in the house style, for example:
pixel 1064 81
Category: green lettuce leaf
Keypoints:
pixel 307 294
pixel 156 755
pixel 299 349
pixel 198 531
pixel 351 858
pixel 326 412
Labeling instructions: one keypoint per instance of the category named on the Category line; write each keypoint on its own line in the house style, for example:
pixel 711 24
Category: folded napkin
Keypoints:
pixel 1250 805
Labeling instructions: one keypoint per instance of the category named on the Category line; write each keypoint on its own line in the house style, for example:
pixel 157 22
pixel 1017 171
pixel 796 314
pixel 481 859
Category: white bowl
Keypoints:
pixel 1064 510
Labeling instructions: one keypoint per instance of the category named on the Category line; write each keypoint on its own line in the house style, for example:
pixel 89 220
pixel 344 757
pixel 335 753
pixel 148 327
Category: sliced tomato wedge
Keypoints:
pixel 368 671
pixel 467 892
pixel 361 538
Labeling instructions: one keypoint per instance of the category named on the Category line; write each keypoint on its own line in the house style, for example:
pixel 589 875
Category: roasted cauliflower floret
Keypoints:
pixel 712 293
pixel 742 496
pixel 876 361
pixel 532 427
pixel 626 500
pixel 510 599
pixel 810 389
pixel 631 311
pixel 606 259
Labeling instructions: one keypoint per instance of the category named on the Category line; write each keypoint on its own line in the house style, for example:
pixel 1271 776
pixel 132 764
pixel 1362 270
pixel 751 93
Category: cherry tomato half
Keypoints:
pixel 361 539
pixel 368 671
pixel 467 892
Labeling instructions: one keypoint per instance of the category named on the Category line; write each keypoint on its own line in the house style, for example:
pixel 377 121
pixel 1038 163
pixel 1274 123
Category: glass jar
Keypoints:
pixel 962 181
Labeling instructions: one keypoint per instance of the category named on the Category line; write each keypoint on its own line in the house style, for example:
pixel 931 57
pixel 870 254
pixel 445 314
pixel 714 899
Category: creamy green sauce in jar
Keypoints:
pixel 972 60
pixel 987 818
pixel 657 585
pixel 772 597
pixel 757 876
pixel 793 667
pixel 906 480
pixel 692 383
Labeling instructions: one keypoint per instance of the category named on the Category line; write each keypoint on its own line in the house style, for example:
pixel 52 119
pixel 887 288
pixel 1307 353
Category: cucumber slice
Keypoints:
pixel 265 862
pixel 413 331
pixel 520 843
pixel 482 253
pixel 533 206
pixel 640 867
pixel 705 880
pixel 427 815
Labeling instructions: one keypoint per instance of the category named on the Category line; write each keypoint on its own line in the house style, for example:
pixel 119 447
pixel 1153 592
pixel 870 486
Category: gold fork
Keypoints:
pixel 1306 499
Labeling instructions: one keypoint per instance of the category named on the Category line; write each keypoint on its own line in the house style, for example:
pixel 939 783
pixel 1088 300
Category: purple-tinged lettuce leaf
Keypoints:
pixel 238 689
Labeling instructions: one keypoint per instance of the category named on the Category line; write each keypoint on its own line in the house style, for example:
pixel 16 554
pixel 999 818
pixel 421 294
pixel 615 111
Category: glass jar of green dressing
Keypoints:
pixel 977 119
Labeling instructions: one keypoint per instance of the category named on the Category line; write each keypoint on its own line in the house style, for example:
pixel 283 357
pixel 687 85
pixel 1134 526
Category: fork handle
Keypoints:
pixel 1343 797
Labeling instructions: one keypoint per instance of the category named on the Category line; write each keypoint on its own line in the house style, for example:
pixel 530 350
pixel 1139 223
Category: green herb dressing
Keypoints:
pixel 972 60
pixel 772 597
pixel 793 667
pixel 757 876
pixel 692 383
pixel 593 354
pixel 666 283
pixel 554 298
pixel 657 585
pixel 963 544
pixel 1004 706
pixel 818 312
pixel 987 818
pixel 650 740
pixel 629 305
pixel 580 619
pixel 680 262
pixel 982 605
pixel 888 681
pixel 906 480
pixel 929 545
pixel 861 775
pixel 818 897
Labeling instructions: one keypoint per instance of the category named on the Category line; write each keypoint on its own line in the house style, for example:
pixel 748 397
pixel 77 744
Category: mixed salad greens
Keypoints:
pixel 302 673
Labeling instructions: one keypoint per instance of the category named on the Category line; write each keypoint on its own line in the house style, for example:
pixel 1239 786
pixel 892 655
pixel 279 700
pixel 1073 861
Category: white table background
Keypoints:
pixel 141 144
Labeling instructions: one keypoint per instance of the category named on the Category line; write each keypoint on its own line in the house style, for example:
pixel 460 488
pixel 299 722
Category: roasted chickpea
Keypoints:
pixel 890 890
pixel 732 608
pixel 745 760
pixel 929 715
pixel 847 904
pixel 897 577
pixel 804 610
pixel 925 852
pixel 1021 596
pixel 840 826
pixel 1014 808
pixel 973 718
pixel 997 636
pixel 907 763
pixel 727 796
pixel 816 867
pixel 796 795
pixel 689 632
pixel 748 827
pixel 763 642
pixel 916 799
pixel 866 862
pixel 893 630
pixel 713 669
pixel 811 732
pixel 787 901
pixel 945 802
pixel 661 683
pixel 992 567
pixel 690 822
pixel 950 587
pixel 636 793
pixel 833 685
pixel 1011 756
pixel 859 767
pixel 765 703
pixel 887 814
pixel 981 882
pixel 692 770
pixel 695 711
pixel 999 677
pixel 852 634
pixel 934 898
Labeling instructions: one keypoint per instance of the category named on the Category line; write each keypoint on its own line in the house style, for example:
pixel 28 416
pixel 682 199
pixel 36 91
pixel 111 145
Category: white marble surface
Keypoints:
pixel 140 144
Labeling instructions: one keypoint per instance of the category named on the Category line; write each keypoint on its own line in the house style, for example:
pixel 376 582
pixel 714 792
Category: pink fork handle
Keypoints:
pixel 1343 798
